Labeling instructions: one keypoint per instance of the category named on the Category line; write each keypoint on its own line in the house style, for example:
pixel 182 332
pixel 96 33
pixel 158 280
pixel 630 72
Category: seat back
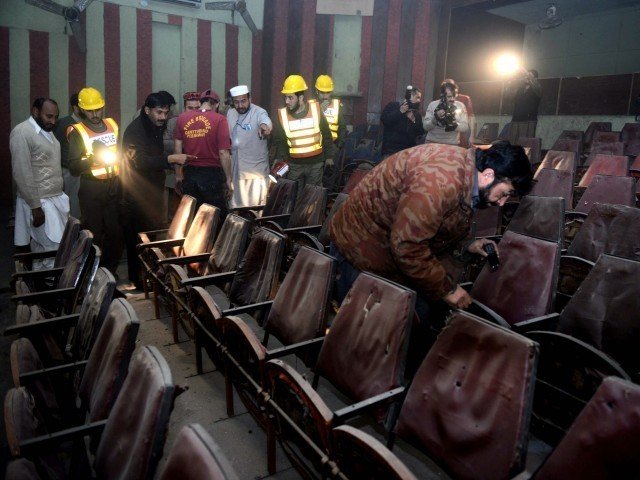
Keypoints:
pixel 359 455
pixel 76 263
pixel 230 245
pixel 208 313
pixel 572 135
pixel 354 179
pixel 593 128
pixel 182 217
pixel 615 148
pixel 524 286
pixel 69 237
pixel 363 353
pixel 603 311
pixel 634 169
pixel 607 189
pixel 632 147
pixel 299 310
pixel 606 137
pixel 469 404
pixel 601 164
pixel 487 221
pixel 604 441
pixel 324 237
pixel 630 131
pixel 310 207
pixel 22 419
pixel 138 419
pixel 534 145
pixel 554 183
pixel 488 132
pixel 202 231
pixel 257 276
pixel 558 160
pixel 24 358
pixel 612 229
pixel 108 362
pixel 195 455
pixel 21 469
pixel 281 198
pixel 541 217
pixel 92 313
pixel 567 145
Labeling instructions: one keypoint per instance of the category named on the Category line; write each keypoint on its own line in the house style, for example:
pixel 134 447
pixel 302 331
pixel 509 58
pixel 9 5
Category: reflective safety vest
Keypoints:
pixel 99 169
pixel 303 134
pixel 331 114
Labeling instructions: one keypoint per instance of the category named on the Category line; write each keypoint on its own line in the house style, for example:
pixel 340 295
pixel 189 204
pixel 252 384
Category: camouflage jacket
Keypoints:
pixel 412 208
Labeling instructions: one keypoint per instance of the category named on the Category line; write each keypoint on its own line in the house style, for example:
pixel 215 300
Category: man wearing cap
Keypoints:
pixel 42 207
pixel 204 134
pixel 302 136
pixel 249 126
pixel 332 110
pixel 93 156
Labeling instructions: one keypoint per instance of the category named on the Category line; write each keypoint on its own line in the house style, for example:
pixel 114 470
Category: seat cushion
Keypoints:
pixel 554 183
pixel 541 217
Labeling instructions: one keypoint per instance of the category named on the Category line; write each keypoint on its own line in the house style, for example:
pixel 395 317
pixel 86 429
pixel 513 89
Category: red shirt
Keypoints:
pixel 203 134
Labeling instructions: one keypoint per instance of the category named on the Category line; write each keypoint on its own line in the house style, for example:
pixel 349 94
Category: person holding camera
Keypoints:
pixel 401 121
pixel 446 118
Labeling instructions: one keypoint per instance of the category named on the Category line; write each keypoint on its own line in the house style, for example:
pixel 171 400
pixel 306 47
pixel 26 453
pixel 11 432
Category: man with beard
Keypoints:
pixel 332 110
pixel 143 175
pixel 402 122
pixel 93 156
pixel 302 136
pixel 249 126
pixel 415 208
pixel 42 207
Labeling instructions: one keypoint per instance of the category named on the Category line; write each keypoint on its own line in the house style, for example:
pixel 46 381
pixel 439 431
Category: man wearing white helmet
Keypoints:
pixel 249 126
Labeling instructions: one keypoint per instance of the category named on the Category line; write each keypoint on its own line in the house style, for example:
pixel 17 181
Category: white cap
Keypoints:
pixel 239 90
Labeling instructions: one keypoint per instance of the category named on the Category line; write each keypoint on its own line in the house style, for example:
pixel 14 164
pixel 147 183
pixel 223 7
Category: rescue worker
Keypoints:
pixel 332 109
pixel 93 156
pixel 302 136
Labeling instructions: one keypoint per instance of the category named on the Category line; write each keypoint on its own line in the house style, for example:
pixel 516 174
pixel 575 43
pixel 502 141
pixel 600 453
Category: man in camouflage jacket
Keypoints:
pixel 417 206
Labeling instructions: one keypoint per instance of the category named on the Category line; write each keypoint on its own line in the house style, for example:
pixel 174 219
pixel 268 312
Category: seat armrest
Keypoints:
pixel 152 233
pixel 282 216
pixel 27 329
pixel 247 209
pixel 546 323
pixel 174 242
pixel 294 349
pixel 47 272
pixel 36 297
pixel 48 442
pixel 480 309
pixel 57 370
pixel 214 279
pixel 199 258
pixel 262 306
pixel 34 255
pixel 310 229
pixel 350 411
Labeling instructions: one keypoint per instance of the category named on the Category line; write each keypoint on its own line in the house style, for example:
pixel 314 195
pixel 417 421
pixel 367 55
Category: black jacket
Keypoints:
pixel 143 165
pixel 399 132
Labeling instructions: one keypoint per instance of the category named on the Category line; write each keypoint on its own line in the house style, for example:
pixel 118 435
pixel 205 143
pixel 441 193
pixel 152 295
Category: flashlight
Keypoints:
pixel 279 170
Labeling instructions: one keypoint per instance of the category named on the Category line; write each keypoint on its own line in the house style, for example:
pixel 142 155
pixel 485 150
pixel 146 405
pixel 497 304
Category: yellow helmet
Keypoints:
pixel 90 99
pixel 324 83
pixel 293 84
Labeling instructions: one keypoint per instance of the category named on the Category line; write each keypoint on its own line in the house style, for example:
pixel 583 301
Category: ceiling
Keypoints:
pixel 533 11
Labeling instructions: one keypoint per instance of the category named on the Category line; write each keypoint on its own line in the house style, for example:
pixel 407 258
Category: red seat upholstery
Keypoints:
pixel 572 135
pixel 468 406
pixel 554 183
pixel 615 148
pixel 487 221
pixel 591 131
pixel 615 165
pixel 607 189
pixel 541 217
pixel 558 160
pixel 535 148
pixel 605 137
pixel 567 145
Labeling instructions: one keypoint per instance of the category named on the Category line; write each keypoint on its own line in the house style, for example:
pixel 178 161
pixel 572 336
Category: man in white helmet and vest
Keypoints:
pixel 302 136
pixel 332 109
pixel 94 157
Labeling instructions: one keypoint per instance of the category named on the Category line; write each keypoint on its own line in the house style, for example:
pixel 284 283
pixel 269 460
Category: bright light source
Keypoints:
pixel 108 157
pixel 506 64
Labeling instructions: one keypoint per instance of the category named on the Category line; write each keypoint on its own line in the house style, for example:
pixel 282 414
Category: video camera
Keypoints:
pixel 449 120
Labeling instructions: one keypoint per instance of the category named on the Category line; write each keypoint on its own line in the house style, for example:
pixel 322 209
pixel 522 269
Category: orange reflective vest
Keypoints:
pixel 99 168
pixel 303 134
pixel 331 114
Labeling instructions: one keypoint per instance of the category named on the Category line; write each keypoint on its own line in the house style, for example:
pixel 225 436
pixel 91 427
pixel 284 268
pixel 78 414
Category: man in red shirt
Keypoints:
pixel 205 134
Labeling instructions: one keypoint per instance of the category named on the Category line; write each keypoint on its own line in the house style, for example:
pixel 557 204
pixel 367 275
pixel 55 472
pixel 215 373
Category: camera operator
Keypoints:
pixel 402 123
pixel 446 117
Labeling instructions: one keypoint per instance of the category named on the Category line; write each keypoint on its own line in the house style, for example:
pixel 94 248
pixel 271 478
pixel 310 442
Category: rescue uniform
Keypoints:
pixel 99 187
pixel 337 124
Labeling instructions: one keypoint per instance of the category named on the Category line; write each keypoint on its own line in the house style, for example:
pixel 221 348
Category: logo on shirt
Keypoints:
pixel 191 132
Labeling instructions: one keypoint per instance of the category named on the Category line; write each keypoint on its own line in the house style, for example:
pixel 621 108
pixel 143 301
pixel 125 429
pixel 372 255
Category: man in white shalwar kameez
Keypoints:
pixel 42 208
pixel 249 126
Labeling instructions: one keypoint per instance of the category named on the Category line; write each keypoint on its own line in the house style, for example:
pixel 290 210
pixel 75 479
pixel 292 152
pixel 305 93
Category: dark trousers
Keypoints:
pixel 99 206
pixel 134 221
pixel 206 185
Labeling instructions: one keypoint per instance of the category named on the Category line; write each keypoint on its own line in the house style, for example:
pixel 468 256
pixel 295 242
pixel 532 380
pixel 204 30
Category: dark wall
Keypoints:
pixel 475 37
